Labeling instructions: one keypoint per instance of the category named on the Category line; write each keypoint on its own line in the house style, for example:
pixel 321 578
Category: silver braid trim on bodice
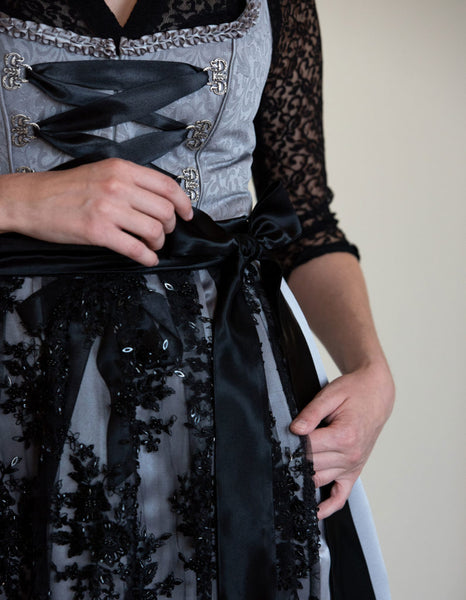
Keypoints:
pixel 106 48
pixel 197 35
pixel 56 36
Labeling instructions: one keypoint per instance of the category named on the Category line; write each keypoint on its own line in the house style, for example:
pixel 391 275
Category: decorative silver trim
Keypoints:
pixel 190 180
pixel 219 76
pixel 24 169
pixel 105 47
pixel 198 134
pixel 202 34
pixel 13 70
pixel 22 130
pixel 56 36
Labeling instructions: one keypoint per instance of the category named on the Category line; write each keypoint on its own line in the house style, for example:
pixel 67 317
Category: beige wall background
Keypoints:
pixel 394 109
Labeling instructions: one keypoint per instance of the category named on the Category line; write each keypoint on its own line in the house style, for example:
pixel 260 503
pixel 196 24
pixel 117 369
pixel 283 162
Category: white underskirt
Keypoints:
pixel 358 503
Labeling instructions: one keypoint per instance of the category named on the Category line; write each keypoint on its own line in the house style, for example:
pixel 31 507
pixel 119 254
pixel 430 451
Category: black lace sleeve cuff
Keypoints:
pixel 298 255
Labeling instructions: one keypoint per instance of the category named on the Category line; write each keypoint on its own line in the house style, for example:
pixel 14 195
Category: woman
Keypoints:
pixel 145 453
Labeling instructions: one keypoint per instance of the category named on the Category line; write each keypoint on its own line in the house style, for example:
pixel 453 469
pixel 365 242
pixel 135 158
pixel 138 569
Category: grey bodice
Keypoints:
pixel 214 164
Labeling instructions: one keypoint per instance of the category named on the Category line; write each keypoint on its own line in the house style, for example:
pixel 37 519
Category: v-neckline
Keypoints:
pixel 130 16
pixel 104 23
pixel 143 20
pixel 122 8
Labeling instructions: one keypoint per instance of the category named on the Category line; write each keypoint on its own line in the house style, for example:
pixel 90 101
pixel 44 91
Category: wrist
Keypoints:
pixel 363 358
pixel 380 375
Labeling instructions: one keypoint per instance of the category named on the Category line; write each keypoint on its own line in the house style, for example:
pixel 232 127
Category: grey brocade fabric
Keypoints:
pixel 223 164
pixel 289 142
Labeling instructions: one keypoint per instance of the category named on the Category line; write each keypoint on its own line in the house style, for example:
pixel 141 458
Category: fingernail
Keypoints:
pixel 299 425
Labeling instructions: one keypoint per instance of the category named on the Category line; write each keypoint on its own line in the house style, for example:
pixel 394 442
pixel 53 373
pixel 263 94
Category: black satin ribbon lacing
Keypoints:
pixel 131 95
pixel 244 495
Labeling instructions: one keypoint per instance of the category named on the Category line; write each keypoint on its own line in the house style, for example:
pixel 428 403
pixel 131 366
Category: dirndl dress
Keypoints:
pixel 144 413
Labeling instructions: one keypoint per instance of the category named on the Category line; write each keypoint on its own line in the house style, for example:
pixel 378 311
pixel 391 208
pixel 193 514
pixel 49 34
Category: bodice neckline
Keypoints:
pixel 103 24
pixel 108 46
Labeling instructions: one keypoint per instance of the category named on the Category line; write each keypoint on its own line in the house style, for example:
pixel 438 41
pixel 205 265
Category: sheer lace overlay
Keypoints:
pixel 131 517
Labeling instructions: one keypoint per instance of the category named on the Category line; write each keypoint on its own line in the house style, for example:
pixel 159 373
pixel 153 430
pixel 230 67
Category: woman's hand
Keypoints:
pixel 332 293
pixel 353 408
pixel 113 203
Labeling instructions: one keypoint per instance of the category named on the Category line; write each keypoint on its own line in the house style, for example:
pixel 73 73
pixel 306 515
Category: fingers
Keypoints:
pixel 317 410
pixel 150 230
pixel 339 494
pixel 322 478
pixel 158 208
pixel 340 436
pixel 328 460
pixel 331 466
pixel 159 184
pixel 135 200
pixel 150 207
pixel 126 244
pixel 144 189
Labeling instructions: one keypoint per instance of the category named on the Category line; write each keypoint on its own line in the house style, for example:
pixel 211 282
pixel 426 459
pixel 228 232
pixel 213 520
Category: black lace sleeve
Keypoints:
pixel 290 142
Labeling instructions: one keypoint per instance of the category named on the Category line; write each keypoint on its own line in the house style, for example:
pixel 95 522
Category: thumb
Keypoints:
pixel 321 406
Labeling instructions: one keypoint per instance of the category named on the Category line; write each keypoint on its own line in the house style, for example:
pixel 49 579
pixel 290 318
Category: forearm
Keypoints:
pixel 332 294
pixel 7 192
